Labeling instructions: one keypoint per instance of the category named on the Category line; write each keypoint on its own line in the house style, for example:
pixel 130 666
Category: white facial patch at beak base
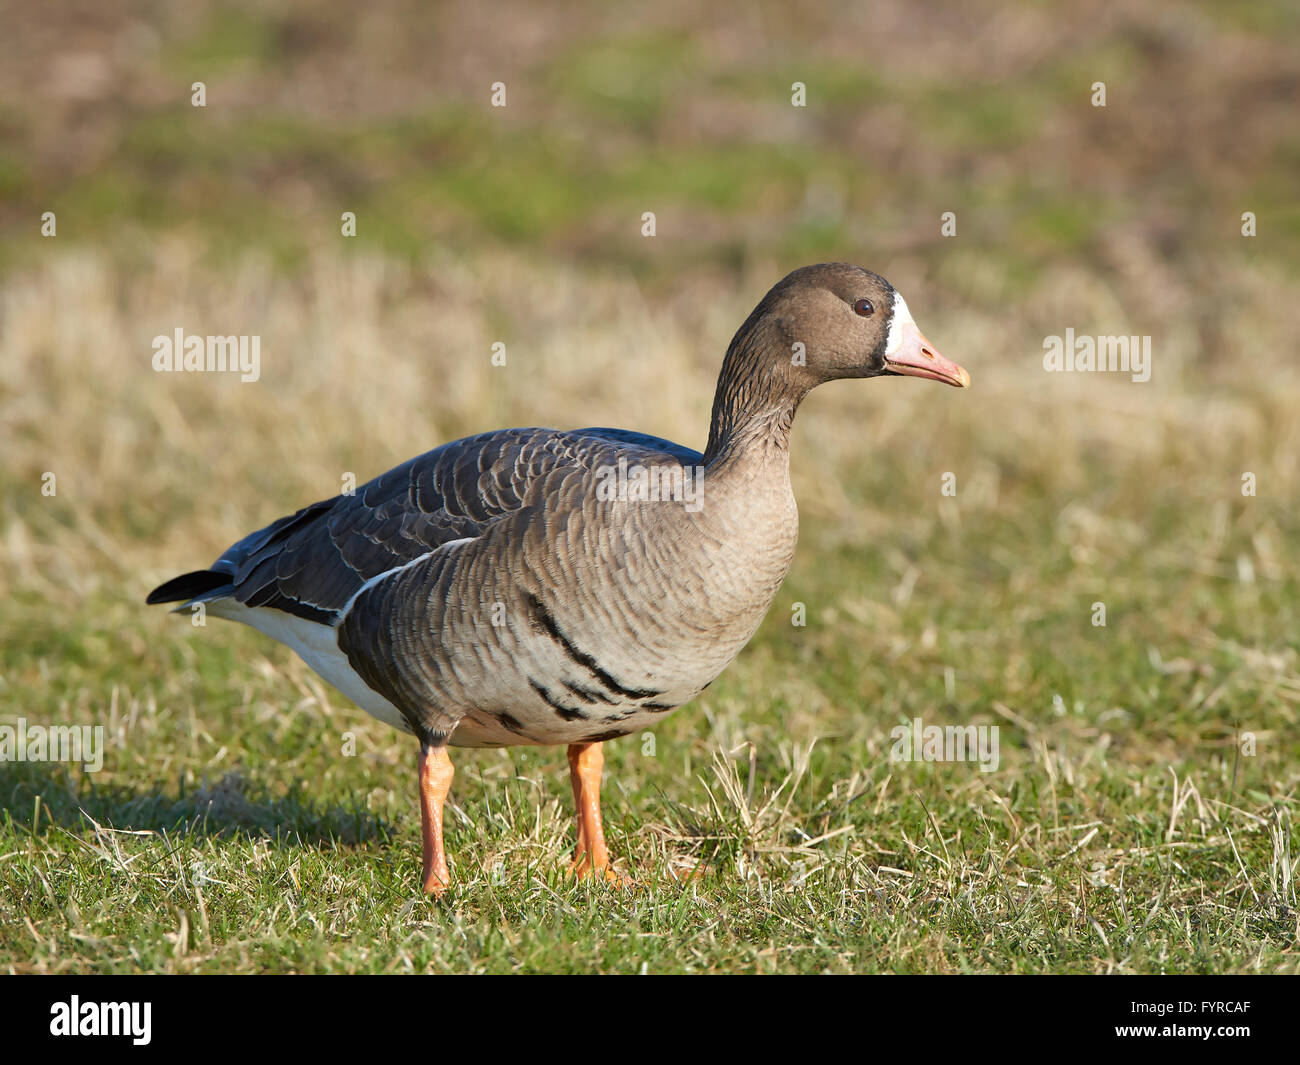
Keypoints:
pixel 909 354
pixel 902 316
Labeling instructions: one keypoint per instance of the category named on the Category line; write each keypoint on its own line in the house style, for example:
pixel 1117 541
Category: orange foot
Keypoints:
pixel 591 858
pixel 435 782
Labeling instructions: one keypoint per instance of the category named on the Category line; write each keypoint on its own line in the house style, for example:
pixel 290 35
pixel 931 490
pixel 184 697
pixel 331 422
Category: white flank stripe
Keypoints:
pixel 347 607
pixel 318 645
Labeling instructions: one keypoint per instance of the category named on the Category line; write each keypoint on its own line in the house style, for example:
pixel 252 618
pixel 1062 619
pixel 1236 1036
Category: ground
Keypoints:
pixel 247 818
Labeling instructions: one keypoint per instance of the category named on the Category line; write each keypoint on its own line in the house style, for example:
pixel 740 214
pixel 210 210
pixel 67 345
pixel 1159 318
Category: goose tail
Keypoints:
pixel 201 584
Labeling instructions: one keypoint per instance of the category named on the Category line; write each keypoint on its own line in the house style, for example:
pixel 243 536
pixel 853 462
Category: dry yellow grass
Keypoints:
pixel 366 361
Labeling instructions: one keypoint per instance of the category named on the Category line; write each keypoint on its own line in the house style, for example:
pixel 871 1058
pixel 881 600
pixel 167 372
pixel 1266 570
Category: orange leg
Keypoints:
pixel 586 760
pixel 435 781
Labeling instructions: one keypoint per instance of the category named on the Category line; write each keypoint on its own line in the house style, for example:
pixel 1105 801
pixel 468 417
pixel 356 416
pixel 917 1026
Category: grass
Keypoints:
pixel 248 819
pixel 607 120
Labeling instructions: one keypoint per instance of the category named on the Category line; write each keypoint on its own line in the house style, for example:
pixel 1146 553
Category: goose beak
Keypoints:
pixel 917 357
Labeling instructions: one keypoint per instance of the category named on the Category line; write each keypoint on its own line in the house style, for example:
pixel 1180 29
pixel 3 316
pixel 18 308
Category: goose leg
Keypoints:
pixel 435 781
pixel 591 856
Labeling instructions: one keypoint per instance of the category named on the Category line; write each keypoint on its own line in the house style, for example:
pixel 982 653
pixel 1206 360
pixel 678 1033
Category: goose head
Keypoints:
pixel 836 320
pixel 820 323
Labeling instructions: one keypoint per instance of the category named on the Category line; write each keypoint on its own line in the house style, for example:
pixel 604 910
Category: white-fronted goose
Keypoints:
pixel 536 586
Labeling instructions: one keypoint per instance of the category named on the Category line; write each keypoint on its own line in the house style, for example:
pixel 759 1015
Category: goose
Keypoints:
pixel 545 587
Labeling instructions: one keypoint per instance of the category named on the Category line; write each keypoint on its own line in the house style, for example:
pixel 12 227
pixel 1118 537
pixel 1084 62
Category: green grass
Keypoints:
pixel 248 819
pixel 606 121
pixel 304 860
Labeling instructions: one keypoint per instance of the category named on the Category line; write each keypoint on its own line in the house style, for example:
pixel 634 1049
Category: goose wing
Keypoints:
pixel 312 563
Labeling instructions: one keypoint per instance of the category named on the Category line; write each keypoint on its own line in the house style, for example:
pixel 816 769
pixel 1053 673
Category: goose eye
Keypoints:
pixel 864 308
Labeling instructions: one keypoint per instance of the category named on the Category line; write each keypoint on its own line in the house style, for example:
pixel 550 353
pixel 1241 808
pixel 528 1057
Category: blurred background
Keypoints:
pixel 523 225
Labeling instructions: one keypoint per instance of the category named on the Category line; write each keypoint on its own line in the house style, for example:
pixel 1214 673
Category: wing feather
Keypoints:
pixel 313 562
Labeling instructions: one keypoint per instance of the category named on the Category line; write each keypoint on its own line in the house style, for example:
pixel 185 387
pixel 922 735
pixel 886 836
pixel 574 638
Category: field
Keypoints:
pixel 248 818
